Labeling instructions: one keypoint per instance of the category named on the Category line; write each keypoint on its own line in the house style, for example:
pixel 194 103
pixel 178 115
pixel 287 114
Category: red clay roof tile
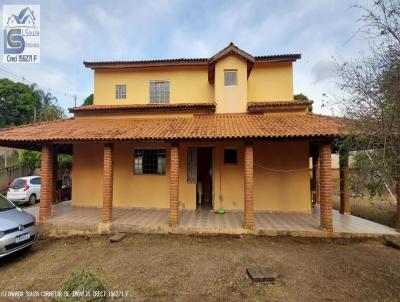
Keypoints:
pixel 271 106
pixel 188 107
pixel 216 126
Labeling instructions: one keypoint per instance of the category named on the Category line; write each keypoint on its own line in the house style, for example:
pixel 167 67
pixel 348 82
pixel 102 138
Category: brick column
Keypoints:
pixel 344 182
pixel 108 182
pixel 47 193
pixel 174 185
pixel 248 186
pixel 55 170
pixel 325 186
pixel 315 176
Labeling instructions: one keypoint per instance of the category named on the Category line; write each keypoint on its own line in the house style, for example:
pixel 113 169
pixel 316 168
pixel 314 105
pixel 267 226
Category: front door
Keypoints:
pixel 204 186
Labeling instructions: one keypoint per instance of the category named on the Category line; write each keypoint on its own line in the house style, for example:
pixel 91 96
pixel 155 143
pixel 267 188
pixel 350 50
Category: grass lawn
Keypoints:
pixel 183 268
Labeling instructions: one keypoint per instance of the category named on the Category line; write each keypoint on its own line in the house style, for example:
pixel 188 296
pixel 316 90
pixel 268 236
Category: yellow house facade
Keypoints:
pixel 268 81
pixel 197 134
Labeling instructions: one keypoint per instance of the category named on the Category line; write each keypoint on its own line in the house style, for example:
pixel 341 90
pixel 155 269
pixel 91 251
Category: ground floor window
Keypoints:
pixel 149 161
pixel 230 156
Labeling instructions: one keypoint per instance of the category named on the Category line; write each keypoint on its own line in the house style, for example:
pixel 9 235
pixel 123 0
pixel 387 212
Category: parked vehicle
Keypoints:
pixel 24 190
pixel 17 228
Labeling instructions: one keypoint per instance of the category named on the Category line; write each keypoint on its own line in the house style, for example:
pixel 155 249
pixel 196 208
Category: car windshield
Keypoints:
pixel 18 183
pixel 5 204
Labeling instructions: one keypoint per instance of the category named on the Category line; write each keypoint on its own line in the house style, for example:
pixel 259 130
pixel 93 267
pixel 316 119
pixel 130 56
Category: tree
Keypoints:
pixel 302 97
pixel 88 100
pixel 30 159
pixel 17 103
pixel 371 87
pixel 23 104
pixel 64 161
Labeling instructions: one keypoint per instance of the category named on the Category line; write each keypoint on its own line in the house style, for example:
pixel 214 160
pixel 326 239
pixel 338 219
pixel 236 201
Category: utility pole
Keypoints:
pixel 75 99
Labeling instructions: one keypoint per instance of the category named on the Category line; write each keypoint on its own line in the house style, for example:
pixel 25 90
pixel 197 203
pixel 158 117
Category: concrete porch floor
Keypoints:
pixel 68 220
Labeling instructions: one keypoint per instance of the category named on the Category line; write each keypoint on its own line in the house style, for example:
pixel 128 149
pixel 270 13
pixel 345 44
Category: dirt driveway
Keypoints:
pixel 182 268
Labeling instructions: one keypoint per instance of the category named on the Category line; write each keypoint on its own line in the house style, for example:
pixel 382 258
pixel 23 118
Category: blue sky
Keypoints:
pixel 73 31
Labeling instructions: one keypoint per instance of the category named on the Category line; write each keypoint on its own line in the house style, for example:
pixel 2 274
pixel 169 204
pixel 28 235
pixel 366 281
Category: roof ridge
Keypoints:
pixel 221 53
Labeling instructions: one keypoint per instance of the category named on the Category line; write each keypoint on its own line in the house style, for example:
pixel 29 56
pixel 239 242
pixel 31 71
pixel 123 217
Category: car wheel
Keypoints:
pixel 32 199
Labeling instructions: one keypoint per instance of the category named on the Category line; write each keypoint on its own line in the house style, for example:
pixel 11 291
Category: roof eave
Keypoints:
pixel 183 107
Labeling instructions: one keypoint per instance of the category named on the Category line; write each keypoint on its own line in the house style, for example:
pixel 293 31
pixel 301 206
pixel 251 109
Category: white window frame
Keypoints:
pixel 234 71
pixel 138 168
pixel 161 99
pixel 120 91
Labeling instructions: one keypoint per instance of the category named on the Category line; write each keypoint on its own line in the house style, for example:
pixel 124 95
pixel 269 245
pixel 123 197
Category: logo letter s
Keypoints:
pixel 14 43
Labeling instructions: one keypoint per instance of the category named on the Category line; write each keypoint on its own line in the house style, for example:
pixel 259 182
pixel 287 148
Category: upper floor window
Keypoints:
pixel 120 92
pixel 159 92
pixel 230 78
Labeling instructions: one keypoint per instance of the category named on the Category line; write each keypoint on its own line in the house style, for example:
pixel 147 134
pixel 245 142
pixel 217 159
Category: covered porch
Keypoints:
pixel 68 220
pixel 276 190
pixel 108 157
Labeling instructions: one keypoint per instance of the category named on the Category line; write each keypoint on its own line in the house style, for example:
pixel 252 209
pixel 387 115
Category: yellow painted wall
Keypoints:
pixel 87 175
pixel 143 191
pixel 231 99
pixel 187 84
pixel 282 191
pixel 271 82
pixel 275 191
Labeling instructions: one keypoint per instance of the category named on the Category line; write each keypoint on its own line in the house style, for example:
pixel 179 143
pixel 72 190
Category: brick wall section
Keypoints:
pixel 248 186
pixel 174 185
pixel 344 183
pixel 47 182
pixel 325 187
pixel 108 182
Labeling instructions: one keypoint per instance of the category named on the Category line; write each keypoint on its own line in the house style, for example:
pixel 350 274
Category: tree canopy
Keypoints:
pixel 23 104
pixel 371 95
pixel 302 97
pixel 88 100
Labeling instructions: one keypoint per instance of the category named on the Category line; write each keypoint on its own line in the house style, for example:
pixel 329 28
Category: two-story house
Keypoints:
pixel 203 133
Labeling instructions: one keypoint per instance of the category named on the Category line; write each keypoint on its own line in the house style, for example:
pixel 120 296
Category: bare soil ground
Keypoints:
pixel 380 209
pixel 183 268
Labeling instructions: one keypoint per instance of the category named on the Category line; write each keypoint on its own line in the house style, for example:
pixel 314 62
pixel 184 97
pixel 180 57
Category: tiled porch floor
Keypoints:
pixel 273 223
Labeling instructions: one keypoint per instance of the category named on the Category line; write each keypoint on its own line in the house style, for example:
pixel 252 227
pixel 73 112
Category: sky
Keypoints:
pixel 74 31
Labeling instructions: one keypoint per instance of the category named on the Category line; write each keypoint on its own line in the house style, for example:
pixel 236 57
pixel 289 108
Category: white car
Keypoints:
pixel 24 190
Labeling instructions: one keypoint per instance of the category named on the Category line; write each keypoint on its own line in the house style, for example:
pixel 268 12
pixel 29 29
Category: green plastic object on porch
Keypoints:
pixel 220 211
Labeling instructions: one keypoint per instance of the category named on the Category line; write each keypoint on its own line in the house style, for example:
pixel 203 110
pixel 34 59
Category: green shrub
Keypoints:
pixel 83 280
pixel 64 161
pixel 30 159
